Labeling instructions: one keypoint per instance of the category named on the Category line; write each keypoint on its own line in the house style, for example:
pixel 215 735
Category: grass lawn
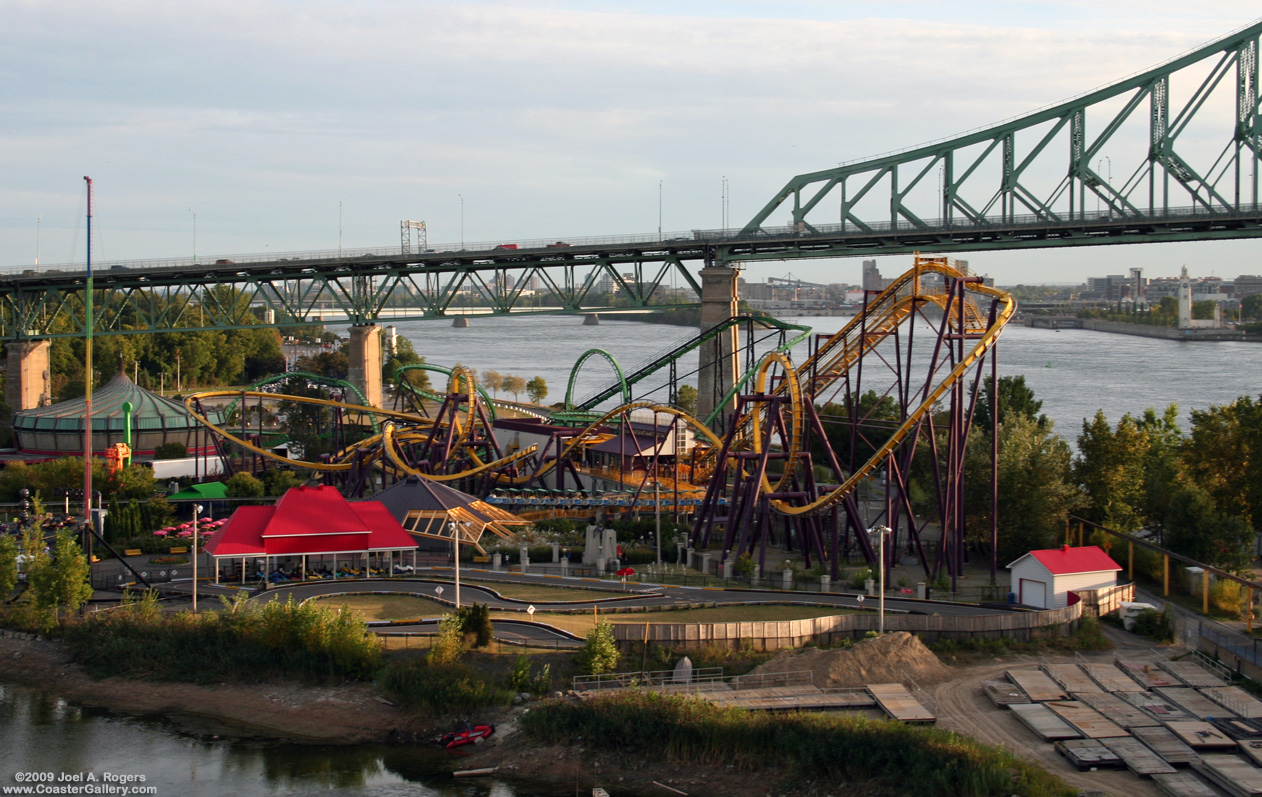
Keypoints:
pixel 543 593
pixel 387 607
pixel 582 622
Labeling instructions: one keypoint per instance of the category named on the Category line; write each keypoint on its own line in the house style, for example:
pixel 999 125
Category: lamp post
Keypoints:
pixel 190 210
pixel 657 519
pixel 882 530
pixel 455 542
pixel 37 225
pixel 197 509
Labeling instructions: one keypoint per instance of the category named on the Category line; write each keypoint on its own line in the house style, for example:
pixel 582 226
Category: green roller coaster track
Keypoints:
pixel 310 377
pixel 624 381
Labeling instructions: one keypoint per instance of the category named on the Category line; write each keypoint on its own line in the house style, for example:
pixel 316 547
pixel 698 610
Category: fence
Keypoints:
pixel 1226 645
pixel 777 635
pixel 1098 602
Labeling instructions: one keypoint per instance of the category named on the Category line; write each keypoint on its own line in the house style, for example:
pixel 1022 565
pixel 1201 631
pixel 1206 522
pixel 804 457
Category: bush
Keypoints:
pixel 818 746
pixel 1158 626
pixel 744 565
pixel 173 450
pixel 441 688
pixel 449 646
pixel 522 678
pixel 600 653
pixel 475 624
pixel 245 642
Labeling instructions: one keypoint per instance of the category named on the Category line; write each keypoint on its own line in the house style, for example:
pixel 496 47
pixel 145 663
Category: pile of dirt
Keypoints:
pixel 885 659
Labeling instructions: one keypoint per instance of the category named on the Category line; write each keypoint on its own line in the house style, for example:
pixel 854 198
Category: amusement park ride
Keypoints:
pixel 811 457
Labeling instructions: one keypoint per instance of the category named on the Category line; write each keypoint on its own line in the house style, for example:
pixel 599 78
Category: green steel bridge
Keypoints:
pixel 1182 143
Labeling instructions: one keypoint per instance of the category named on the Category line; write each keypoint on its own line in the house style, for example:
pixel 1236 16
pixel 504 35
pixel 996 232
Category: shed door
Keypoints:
pixel 1032 593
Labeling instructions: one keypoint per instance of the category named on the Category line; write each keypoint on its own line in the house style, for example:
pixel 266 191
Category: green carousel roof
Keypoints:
pixel 149 411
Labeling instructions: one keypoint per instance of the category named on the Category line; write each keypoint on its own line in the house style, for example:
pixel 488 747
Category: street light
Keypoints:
pixel 37 225
pixel 197 509
pixel 190 210
pixel 657 519
pixel 882 530
pixel 455 541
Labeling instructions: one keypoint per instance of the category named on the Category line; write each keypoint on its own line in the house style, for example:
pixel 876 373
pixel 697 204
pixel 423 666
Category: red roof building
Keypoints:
pixel 307 522
pixel 1044 579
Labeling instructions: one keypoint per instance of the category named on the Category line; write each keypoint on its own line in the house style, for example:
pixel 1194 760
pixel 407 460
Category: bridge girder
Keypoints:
pixel 996 175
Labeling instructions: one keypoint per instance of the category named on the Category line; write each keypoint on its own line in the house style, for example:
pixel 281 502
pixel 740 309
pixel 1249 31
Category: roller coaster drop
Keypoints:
pixel 776 476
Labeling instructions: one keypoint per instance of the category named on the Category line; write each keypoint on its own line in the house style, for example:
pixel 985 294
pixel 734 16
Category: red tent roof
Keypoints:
pixel 310 520
pixel 1066 560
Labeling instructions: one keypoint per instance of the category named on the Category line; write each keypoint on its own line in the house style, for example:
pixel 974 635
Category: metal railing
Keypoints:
pixel 1239 645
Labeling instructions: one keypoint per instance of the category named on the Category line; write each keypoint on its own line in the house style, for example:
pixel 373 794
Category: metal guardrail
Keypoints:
pixel 1242 647
pixel 624 680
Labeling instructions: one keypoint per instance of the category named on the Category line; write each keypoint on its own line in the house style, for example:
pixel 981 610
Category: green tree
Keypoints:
pixel 8 566
pixel 278 481
pixel 244 485
pixel 492 380
pixel 1251 307
pixel 1223 454
pixel 1161 462
pixel 404 355
pixel 1204 309
pixel 1110 470
pixel 1036 491
pixel 537 390
pixel 512 384
pixel 1195 528
pixel 599 653
pixel 70 585
pixel 686 399
pixel 1014 398
pixel 172 450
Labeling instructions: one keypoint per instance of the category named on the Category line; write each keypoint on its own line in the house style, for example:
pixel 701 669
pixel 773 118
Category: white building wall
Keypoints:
pixel 1058 587
pixel 1030 569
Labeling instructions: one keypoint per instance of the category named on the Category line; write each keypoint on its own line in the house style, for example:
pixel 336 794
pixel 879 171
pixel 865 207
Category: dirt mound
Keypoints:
pixel 885 659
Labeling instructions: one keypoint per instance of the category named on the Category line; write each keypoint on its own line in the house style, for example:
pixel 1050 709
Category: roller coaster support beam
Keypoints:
pixel 365 361
pixel 719 366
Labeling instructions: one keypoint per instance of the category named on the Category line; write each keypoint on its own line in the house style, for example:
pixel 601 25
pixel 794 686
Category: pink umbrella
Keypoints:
pixel 185 534
pixel 161 533
pixel 169 528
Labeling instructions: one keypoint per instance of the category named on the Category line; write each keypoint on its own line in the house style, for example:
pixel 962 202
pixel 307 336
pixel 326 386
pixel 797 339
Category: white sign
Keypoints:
pixel 860 599
pixel 439 591
pixel 530 610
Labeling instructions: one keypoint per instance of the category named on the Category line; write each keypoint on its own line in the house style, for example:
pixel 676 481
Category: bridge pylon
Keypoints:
pixel 27 385
pixel 719 365
pixel 364 354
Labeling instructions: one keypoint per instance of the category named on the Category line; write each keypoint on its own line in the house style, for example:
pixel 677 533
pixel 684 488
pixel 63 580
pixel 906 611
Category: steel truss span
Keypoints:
pixel 1170 154
pixel 903 380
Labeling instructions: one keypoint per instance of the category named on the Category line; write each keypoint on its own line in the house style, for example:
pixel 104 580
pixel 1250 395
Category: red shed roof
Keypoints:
pixel 1066 560
pixel 310 520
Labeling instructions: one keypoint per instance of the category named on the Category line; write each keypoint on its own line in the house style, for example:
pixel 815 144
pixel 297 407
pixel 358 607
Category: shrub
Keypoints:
pixel 475 624
pixel 744 565
pixel 439 688
pixel 1158 626
pixel 522 678
pixel 1226 597
pixel 449 646
pixel 600 652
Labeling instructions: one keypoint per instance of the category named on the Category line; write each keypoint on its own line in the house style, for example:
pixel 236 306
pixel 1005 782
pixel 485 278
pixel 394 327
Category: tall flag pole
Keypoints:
pixel 87 375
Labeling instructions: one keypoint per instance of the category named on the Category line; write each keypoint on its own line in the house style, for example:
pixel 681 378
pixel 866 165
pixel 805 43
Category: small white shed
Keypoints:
pixel 1044 579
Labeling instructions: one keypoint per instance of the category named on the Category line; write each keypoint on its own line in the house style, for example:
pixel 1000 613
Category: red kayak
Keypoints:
pixel 475 734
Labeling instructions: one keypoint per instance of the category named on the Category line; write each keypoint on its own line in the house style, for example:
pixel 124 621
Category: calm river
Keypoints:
pixel 42 733
pixel 1074 372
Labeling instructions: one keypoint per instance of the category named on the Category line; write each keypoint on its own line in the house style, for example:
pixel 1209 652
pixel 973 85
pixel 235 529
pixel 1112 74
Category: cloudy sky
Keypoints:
pixel 267 122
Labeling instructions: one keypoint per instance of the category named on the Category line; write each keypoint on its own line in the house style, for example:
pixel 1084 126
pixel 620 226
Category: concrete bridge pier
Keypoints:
pixel 26 385
pixel 364 354
pixel 719 365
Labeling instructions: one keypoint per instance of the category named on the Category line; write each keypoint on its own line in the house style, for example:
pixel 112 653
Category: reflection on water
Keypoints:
pixel 40 732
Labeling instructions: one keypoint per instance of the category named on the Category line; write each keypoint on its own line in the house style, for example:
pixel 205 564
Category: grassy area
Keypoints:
pixel 541 592
pixel 385 607
pixel 831 747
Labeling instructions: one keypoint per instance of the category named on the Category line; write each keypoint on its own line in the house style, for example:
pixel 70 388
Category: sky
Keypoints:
pixel 259 126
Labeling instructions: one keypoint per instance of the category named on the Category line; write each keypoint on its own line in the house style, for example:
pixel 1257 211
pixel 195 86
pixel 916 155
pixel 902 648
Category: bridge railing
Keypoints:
pixel 1100 218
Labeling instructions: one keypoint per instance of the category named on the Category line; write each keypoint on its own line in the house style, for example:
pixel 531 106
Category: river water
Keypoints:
pixel 1073 372
pixel 42 733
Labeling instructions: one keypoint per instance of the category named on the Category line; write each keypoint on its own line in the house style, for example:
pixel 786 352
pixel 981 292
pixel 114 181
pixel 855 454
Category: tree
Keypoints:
pixel 1223 455
pixel 686 399
pixel 172 450
pixel 277 481
pixel 404 354
pixel 1161 462
pixel 492 379
pixel 8 566
pixel 244 485
pixel 599 653
pixel 512 384
pixel 1251 307
pixel 1036 491
pixel 537 390
pixel 1196 529
pixel 1014 398
pixel 1110 470
pixel 1204 309
pixel 70 585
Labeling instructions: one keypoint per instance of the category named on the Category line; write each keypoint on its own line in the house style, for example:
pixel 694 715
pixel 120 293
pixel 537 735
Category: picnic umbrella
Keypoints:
pixel 161 533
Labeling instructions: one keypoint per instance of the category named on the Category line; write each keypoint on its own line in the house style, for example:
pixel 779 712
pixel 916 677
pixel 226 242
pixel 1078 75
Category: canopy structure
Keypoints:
pixel 433 511
pixel 58 429
pixel 207 491
pixel 310 521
